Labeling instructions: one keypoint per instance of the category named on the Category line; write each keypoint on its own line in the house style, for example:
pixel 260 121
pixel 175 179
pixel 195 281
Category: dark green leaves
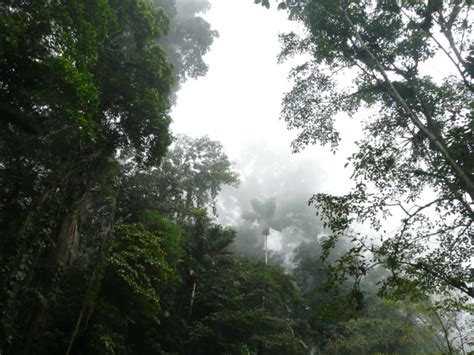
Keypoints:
pixel 415 156
pixel 265 3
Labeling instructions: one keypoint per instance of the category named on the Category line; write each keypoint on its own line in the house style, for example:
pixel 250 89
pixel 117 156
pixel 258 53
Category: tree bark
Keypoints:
pixel 96 279
pixel 61 257
pixel 67 243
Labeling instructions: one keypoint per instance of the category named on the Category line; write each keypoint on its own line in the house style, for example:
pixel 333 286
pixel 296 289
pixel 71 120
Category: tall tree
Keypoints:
pixel 189 38
pixel 244 306
pixel 418 146
pixel 80 82
pixel 191 175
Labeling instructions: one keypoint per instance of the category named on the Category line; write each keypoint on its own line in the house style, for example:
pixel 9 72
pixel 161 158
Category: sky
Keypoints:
pixel 239 97
pixel 238 103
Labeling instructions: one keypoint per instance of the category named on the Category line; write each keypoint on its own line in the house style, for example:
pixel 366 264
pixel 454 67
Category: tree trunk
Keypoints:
pixel 67 243
pixel 193 293
pixel 61 257
pixel 96 279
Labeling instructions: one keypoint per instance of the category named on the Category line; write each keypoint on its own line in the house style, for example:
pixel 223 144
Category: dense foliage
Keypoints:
pixel 109 242
pixel 415 160
pixel 82 83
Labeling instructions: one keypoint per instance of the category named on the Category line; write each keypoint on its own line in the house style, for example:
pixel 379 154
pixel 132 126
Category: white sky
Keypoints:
pixel 239 100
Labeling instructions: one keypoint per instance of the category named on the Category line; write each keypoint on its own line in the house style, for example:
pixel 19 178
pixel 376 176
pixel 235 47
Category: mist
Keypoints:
pixel 244 118
pixel 271 175
pixel 236 177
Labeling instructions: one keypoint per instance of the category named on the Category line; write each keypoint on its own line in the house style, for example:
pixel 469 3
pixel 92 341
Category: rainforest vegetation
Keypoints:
pixel 109 236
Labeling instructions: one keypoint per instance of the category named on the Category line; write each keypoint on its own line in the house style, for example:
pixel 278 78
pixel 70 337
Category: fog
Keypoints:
pixel 238 103
pixel 121 234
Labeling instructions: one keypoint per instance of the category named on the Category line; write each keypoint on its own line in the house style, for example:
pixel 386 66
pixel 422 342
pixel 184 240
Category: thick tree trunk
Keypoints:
pixel 67 243
pixel 96 280
pixel 61 257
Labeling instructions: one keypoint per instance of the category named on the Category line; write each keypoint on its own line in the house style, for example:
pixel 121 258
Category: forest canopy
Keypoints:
pixel 416 155
pixel 111 241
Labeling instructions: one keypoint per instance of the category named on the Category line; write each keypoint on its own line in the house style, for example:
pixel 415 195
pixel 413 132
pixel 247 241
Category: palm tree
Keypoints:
pixel 263 212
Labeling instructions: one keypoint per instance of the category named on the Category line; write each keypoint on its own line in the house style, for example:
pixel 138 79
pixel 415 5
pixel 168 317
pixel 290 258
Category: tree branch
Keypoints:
pixel 456 168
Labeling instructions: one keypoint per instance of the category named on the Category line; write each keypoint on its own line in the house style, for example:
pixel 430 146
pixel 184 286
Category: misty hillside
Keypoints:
pixel 205 177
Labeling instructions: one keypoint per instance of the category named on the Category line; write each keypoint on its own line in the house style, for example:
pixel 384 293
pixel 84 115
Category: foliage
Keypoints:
pixel 81 83
pixel 247 303
pixel 417 146
pixel 108 245
pixel 386 328
pixel 141 266
pixel 138 262
pixel 190 177
pixel 348 318
pixel 189 37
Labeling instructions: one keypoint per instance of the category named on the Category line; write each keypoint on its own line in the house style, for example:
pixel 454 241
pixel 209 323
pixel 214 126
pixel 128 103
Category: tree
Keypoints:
pixel 190 176
pixel 142 264
pixel 189 38
pixel 247 306
pixel 387 328
pixel 80 83
pixel 331 301
pixel 291 219
pixel 129 300
pixel 416 154
pixel 345 319
pixel 262 214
